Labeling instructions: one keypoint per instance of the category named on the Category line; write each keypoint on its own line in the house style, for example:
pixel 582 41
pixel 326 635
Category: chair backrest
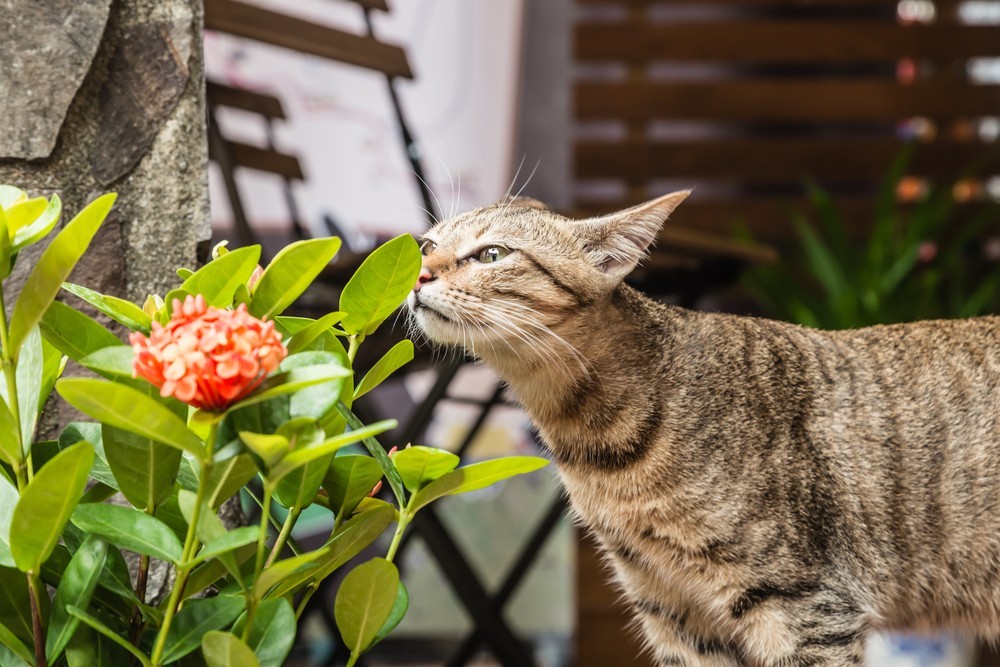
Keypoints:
pixel 746 100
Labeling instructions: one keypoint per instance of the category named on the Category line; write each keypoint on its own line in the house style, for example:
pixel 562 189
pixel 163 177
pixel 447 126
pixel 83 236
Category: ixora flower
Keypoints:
pixel 207 357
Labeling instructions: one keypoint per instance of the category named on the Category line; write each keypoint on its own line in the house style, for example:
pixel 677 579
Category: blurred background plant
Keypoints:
pixel 913 263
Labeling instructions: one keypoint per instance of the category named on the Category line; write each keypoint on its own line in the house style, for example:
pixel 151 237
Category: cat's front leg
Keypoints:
pixel 673 641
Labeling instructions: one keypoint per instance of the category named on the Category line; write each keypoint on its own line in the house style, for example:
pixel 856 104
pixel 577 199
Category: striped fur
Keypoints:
pixel 767 493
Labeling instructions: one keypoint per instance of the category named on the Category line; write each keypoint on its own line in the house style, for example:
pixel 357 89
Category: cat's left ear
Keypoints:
pixel 617 242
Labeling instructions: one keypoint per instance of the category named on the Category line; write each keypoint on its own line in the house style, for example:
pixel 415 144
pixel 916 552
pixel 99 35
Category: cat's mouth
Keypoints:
pixel 420 306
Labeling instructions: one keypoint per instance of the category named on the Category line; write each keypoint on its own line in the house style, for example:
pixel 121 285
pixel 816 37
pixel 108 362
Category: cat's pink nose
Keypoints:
pixel 422 279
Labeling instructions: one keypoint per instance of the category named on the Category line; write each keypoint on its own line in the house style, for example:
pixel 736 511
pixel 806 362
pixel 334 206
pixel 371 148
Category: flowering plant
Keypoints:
pixel 217 388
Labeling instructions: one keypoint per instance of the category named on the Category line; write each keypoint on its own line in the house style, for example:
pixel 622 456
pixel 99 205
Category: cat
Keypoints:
pixel 767 493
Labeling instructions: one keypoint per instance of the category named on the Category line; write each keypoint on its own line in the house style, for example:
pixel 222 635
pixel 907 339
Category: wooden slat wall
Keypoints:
pixel 779 91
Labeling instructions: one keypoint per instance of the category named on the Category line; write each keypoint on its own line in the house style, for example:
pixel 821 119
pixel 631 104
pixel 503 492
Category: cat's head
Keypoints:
pixel 504 278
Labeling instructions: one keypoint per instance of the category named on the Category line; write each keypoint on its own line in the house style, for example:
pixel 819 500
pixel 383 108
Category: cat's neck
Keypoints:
pixel 612 348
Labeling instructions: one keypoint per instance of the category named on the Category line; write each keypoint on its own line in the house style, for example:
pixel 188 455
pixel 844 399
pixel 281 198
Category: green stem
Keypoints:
pixel 10 377
pixel 353 659
pixel 251 594
pixel 286 530
pixel 310 589
pixel 187 553
pixel 38 629
pixel 404 521
pixel 354 342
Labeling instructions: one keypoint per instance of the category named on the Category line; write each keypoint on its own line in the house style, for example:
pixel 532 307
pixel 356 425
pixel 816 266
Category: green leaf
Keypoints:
pixel 75 589
pixel 399 607
pixel 39 227
pixel 24 213
pixel 9 195
pixel 211 531
pixel 365 601
pixel 401 353
pixel 289 274
pixel 197 618
pixel 145 469
pixel 476 476
pixel 224 649
pixel 130 409
pixel 16 647
pixel 380 285
pixel 10 443
pixel 129 529
pixel 269 448
pixel 273 632
pixel 109 633
pixel 217 281
pixel 121 311
pixel 113 363
pixel 90 432
pixel 378 453
pixel 352 538
pixel 29 386
pixel 418 466
pixel 53 365
pixel 823 262
pixel 46 504
pixel 8 500
pixel 301 457
pixel 283 569
pixel 348 480
pixel 227 478
pixel 306 335
pixel 15 608
pixel 74 334
pixel 210 572
pixel 87 648
pixel 229 541
pixel 292 381
pixel 53 267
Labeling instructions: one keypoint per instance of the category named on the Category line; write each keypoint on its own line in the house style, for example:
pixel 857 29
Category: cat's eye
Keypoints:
pixel 427 247
pixel 492 254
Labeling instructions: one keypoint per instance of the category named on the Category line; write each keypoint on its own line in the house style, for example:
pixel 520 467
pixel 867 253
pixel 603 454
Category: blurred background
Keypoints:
pixel 844 160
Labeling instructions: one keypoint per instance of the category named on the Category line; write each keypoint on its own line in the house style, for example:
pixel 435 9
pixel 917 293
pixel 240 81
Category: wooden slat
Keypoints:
pixel 373 4
pixel 783 100
pixel 264 25
pixel 782 41
pixel 775 159
pixel 247 100
pixel 263 159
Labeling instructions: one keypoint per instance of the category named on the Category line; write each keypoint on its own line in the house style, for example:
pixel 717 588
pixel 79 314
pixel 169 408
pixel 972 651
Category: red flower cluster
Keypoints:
pixel 205 356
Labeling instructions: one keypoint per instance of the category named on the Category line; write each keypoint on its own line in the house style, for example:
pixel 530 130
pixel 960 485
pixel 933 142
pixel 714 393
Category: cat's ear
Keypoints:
pixel 617 242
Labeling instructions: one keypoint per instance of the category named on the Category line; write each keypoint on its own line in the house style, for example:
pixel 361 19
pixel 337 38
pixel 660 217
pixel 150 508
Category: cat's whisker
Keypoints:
pixel 537 324
pixel 433 194
pixel 517 173
pixel 527 180
pixel 545 336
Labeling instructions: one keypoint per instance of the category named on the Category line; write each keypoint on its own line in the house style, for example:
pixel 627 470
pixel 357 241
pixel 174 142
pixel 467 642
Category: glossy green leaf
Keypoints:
pixel 10 195
pixel 211 532
pixel 301 457
pixel 319 399
pixel 350 540
pixel 349 479
pixel 75 589
pixel 224 649
pixel 89 432
pixel 53 365
pixel 39 227
pixel 476 476
pixel 197 618
pixel 289 274
pixel 10 442
pixel 15 607
pixel 399 607
pixel 292 381
pixel 270 448
pixel 100 627
pixel 16 648
pixel 6 262
pixel 74 334
pixel 53 267
pixel 87 648
pixel 113 363
pixel 400 354
pixel 46 504
pixel 29 386
pixel 129 529
pixel 365 601
pixel 209 573
pixel 380 285
pixel 130 409
pixel 8 500
pixel 229 541
pixel 145 469
pixel 283 569
pixel 378 453
pixel 124 312
pixel 23 213
pixel 306 335
pixel 227 478
pixel 299 487
pixel 217 281
pixel 419 466
pixel 273 632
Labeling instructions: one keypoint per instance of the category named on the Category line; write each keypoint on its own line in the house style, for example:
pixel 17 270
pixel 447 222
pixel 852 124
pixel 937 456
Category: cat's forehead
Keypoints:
pixel 497 221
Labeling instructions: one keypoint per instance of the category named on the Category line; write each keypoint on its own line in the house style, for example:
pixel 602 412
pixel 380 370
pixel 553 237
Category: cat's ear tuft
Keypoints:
pixel 617 242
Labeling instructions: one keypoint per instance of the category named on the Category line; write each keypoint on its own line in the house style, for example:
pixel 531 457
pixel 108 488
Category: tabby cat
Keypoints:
pixel 767 493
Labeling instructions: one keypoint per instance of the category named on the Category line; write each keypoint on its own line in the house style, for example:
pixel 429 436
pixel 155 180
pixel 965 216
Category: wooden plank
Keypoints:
pixel 373 4
pixel 264 25
pixel 777 159
pixel 815 100
pixel 761 41
pixel 264 159
pixel 246 100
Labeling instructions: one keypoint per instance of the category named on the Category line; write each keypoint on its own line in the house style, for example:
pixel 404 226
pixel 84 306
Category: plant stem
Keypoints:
pixel 34 584
pixel 286 530
pixel 140 592
pixel 310 589
pixel 353 659
pixel 187 553
pixel 404 521
pixel 252 601
pixel 354 342
pixel 10 377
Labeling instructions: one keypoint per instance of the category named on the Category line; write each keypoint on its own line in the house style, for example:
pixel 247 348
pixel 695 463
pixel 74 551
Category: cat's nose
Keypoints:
pixel 422 279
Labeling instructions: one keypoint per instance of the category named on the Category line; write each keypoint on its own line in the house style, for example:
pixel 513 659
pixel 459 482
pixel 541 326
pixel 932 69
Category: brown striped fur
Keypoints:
pixel 767 493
